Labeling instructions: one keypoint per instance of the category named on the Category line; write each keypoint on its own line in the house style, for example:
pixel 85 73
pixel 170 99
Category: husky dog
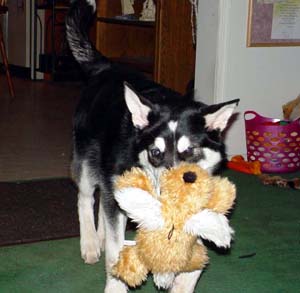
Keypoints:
pixel 125 120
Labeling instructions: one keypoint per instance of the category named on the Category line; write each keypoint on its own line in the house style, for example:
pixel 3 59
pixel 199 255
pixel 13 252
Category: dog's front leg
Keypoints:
pixel 185 282
pixel 101 225
pixel 114 241
pixel 89 241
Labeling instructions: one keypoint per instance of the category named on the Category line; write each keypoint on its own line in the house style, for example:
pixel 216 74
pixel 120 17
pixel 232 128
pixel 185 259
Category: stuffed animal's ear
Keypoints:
pixel 210 226
pixel 141 207
pixel 139 111
pixel 223 195
pixel 137 178
pixel 217 116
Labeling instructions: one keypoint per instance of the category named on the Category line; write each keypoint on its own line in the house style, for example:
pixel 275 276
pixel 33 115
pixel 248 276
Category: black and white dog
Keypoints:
pixel 125 120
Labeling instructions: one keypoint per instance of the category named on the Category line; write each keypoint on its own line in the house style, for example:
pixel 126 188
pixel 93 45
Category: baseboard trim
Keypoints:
pixel 18 71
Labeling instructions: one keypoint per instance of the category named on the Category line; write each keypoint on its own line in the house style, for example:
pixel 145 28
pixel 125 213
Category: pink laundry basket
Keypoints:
pixel 276 147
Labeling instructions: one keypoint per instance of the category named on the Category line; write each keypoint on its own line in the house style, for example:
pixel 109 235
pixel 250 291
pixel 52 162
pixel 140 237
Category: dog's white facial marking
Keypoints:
pixel 160 144
pixel 183 144
pixel 153 173
pixel 210 160
pixel 92 3
pixel 173 125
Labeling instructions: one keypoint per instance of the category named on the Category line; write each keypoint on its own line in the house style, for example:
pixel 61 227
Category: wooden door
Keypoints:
pixel 174 52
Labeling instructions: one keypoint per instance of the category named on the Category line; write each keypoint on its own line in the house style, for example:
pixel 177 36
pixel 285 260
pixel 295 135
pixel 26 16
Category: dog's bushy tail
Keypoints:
pixel 78 20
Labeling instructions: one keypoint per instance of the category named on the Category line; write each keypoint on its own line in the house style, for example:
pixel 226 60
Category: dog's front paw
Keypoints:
pixel 164 280
pixel 90 249
pixel 114 285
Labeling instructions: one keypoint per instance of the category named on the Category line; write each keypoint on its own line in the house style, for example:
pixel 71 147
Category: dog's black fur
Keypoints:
pixel 107 139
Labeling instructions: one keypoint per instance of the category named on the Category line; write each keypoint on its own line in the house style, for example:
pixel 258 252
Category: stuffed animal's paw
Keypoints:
pixel 129 268
pixel 141 207
pixel 211 226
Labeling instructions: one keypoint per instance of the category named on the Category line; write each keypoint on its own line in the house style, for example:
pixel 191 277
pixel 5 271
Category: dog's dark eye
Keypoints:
pixel 155 152
pixel 190 150
pixel 191 154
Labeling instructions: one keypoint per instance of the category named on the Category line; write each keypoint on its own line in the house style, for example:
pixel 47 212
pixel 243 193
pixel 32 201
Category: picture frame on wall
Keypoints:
pixel 273 23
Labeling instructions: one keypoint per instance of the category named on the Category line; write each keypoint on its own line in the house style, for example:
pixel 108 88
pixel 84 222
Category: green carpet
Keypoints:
pixel 267 224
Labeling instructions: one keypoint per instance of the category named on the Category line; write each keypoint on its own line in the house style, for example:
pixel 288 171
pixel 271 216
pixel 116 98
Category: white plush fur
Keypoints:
pixel 211 226
pixel 141 207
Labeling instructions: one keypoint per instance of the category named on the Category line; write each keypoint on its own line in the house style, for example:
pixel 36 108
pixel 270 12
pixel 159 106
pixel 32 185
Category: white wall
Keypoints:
pixel 19 34
pixel 18 41
pixel 263 78
pixel 206 50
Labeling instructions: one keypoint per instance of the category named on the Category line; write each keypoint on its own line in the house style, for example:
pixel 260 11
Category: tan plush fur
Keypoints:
pixel 171 249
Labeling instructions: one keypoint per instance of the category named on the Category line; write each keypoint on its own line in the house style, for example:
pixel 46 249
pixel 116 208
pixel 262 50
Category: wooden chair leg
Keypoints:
pixel 5 62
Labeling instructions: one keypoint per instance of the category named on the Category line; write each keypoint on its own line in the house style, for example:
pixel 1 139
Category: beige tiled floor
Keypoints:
pixel 35 129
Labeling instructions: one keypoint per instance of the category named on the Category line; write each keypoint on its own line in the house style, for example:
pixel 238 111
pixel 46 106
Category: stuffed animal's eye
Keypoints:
pixel 155 152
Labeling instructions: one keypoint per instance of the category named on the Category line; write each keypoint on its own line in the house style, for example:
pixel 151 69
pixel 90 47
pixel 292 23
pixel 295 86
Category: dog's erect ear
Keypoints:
pixel 139 111
pixel 217 116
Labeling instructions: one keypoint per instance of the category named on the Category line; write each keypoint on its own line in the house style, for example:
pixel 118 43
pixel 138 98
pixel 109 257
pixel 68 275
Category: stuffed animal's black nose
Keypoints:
pixel 189 177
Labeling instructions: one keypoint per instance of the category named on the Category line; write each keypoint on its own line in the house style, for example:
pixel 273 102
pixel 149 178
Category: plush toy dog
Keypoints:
pixel 191 204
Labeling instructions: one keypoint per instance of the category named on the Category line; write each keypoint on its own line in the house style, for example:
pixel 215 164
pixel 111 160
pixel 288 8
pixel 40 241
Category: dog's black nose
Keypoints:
pixel 189 177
